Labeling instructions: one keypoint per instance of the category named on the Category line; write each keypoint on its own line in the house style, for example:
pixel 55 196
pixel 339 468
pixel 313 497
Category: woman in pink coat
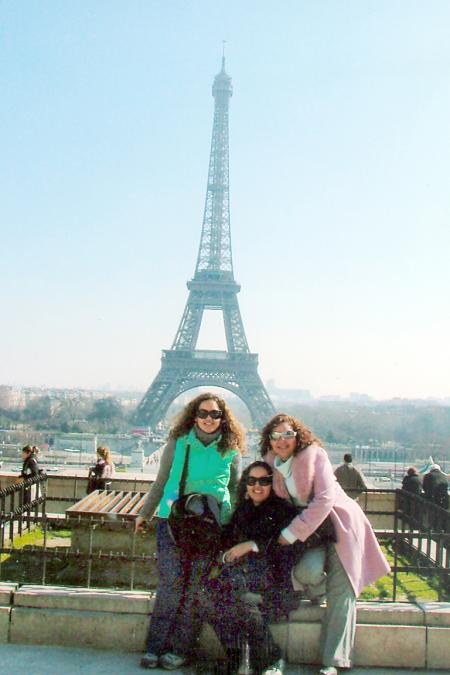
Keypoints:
pixel 303 474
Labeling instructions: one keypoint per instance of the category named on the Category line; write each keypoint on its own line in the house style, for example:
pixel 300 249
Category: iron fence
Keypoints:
pixel 21 504
pixel 422 535
pixel 102 550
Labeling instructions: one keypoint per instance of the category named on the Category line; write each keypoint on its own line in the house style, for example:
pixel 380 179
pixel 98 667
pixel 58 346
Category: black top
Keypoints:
pixel 412 484
pixel 30 468
pixel 261 524
pixel 435 486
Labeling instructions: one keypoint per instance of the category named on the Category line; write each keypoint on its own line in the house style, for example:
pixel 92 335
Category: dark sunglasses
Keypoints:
pixel 214 414
pixel 264 481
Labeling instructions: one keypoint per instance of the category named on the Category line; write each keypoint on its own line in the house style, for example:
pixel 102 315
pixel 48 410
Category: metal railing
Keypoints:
pixel 422 535
pixel 101 551
pixel 20 505
pixel 91 564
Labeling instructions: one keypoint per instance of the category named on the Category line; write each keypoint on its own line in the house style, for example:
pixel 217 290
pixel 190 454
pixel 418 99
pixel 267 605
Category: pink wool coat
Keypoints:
pixel 356 546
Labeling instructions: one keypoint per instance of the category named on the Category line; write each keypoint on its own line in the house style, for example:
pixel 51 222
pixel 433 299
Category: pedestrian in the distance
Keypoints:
pixel 411 481
pixel 30 469
pixel 30 465
pixel 350 478
pixel 435 486
pixel 99 477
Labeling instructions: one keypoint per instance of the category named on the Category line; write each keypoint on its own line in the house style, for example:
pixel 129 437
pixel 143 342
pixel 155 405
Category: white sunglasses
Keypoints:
pixel 276 435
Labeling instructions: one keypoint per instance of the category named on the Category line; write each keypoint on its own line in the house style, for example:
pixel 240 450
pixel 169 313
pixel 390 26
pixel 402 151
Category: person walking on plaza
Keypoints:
pixel 411 481
pixel 349 478
pixel 210 436
pixel 435 486
pixel 303 474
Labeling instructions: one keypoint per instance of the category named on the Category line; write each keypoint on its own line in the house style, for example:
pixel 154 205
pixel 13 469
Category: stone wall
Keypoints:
pixel 395 635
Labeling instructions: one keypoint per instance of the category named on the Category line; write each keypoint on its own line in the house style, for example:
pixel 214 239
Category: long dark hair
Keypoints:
pixel 242 485
pixel 232 434
pixel 31 450
pixel 305 436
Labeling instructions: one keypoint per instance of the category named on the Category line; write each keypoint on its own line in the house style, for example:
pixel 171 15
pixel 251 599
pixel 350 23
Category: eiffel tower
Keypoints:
pixel 213 287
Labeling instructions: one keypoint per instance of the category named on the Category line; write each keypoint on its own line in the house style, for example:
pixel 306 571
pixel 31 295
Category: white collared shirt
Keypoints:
pixel 285 468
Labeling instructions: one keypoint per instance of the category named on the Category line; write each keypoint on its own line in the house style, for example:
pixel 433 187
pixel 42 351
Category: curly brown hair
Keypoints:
pixel 232 434
pixel 305 436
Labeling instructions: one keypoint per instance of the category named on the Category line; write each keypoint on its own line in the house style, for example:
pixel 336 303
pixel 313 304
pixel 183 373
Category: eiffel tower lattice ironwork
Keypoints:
pixel 213 287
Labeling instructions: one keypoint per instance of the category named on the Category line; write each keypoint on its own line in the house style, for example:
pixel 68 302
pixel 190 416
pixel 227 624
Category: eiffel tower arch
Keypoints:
pixel 213 287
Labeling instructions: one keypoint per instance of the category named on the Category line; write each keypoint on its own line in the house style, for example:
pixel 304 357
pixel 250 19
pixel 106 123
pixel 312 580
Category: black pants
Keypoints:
pixel 240 611
pixel 245 620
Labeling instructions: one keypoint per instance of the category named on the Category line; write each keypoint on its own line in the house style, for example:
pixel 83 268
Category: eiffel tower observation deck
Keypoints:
pixel 213 287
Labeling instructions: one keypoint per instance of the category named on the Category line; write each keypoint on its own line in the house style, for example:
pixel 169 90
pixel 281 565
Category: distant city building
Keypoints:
pixel 288 394
pixel 10 397
pixel 359 398
pixel 6 395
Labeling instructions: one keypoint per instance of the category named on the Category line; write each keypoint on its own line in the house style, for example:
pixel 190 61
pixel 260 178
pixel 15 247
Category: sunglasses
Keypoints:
pixel 264 481
pixel 202 414
pixel 276 435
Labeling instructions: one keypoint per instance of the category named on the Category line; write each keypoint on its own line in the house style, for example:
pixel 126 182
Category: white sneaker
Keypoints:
pixel 276 668
pixel 328 670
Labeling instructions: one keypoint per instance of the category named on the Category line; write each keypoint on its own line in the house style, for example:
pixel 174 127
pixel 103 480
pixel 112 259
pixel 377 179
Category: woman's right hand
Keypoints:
pixel 139 524
pixel 238 551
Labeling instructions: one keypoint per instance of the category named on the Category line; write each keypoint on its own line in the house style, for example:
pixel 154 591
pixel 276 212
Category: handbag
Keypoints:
pixel 194 519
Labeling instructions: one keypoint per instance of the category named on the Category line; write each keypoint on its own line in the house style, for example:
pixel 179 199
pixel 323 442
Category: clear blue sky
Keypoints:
pixel 340 167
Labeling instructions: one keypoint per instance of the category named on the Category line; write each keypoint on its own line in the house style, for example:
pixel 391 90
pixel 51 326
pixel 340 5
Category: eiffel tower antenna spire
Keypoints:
pixel 212 287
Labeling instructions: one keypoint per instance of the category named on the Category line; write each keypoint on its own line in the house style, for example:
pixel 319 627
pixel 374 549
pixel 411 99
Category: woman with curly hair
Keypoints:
pixel 303 474
pixel 216 441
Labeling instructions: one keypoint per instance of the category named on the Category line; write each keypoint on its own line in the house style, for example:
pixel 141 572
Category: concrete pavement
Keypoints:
pixel 38 660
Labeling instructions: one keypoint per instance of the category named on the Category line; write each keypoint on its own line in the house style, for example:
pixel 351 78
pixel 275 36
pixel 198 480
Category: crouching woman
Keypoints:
pixel 254 577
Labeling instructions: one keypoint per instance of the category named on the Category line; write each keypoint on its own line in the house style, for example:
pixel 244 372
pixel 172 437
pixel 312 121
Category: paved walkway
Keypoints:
pixel 69 661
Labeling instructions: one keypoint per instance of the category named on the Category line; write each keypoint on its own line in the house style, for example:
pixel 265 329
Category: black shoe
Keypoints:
pixel 223 667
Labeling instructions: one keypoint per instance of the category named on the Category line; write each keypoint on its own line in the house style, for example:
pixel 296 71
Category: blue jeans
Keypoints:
pixel 177 614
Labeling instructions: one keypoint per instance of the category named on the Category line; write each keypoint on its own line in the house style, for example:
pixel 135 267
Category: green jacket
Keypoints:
pixel 208 473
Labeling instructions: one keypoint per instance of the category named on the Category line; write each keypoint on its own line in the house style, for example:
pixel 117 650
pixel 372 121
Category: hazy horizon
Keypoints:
pixel 339 165
pixel 331 397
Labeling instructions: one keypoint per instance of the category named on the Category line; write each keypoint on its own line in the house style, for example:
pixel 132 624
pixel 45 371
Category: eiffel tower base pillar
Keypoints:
pixel 181 371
